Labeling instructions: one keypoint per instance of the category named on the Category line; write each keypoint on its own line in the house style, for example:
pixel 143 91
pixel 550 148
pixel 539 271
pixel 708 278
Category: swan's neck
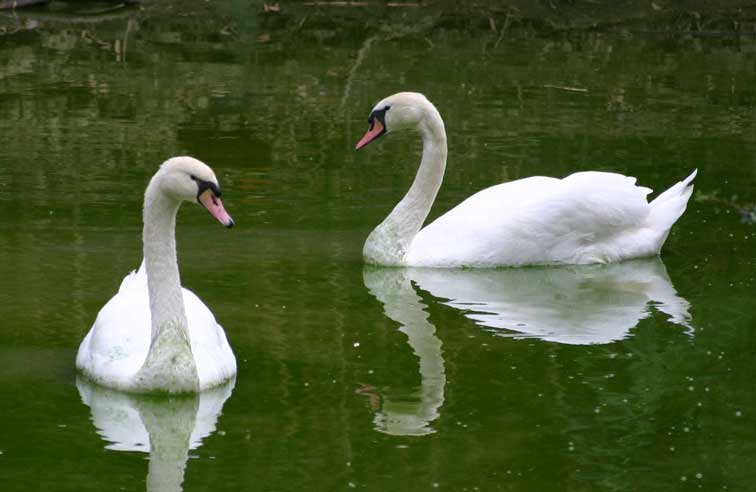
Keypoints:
pixel 389 243
pixel 169 364
pixel 164 283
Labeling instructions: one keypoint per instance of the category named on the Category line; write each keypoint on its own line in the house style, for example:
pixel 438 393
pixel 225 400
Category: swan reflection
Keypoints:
pixel 577 305
pixel 401 413
pixel 165 427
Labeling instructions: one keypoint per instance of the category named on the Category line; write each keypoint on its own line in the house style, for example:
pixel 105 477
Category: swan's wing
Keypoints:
pixel 533 220
pixel 600 203
pixel 212 353
pixel 135 281
pixel 117 344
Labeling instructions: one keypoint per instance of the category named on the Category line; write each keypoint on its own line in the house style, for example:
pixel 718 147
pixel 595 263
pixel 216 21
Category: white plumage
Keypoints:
pixel 154 335
pixel 587 217
pixel 116 347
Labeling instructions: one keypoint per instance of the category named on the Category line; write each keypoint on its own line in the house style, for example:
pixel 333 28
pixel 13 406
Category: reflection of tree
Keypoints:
pixel 283 100
pixel 747 211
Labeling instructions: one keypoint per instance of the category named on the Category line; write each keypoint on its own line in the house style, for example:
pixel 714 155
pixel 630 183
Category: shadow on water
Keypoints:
pixel 165 427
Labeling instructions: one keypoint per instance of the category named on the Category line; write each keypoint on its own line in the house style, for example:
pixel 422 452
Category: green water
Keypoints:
pixel 634 377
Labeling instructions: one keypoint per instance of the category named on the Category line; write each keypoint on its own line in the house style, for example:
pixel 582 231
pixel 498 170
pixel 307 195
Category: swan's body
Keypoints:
pixel 587 217
pixel 116 347
pixel 153 335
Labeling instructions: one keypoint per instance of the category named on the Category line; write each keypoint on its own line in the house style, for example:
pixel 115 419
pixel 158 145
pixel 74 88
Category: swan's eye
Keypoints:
pixel 387 108
pixel 194 178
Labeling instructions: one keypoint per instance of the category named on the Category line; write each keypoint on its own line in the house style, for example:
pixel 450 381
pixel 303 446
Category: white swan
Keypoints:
pixel 154 336
pixel 587 217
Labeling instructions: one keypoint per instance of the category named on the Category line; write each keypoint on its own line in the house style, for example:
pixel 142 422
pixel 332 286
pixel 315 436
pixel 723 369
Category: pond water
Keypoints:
pixel 636 376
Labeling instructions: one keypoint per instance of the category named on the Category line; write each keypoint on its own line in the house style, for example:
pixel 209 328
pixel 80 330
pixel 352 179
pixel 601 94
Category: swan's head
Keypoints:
pixel 404 110
pixel 190 180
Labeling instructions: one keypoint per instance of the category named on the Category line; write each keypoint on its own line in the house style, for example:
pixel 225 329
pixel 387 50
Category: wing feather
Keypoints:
pixel 534 220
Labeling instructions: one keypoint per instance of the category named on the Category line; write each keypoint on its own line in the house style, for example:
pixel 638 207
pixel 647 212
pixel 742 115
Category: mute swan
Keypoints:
pixel 587 217
pixel 153 335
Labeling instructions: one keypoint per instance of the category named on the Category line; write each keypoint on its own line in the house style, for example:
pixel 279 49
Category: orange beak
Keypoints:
pixel 214 205
pixel 376 130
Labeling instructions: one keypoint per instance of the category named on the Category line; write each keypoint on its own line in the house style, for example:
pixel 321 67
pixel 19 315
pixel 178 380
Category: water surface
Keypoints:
pixel 637 377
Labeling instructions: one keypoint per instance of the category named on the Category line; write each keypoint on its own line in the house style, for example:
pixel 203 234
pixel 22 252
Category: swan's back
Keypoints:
pixel 587 217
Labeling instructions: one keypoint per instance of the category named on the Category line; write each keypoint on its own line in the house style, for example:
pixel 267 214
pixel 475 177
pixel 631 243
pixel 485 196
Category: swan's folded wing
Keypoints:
pixel 534 220
pixel 212 353
pixel 599 203
pixel 133 282
pixel 116 345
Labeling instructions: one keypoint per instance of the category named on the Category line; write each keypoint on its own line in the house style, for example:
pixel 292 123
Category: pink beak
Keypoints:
pixel 214 205
pixel 375 131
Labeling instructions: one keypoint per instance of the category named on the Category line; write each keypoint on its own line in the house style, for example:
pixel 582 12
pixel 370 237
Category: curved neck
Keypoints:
pixel 389 243
pixel 159 242
pixel 169 365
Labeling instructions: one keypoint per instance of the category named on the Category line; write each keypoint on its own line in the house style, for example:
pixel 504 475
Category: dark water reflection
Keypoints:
pixel 166 428
pixel 327 356
pixel 408 414
pixel 574 305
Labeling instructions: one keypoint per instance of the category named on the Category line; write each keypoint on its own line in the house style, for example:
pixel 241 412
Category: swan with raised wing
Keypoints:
pixel 154 336
pixel 587 217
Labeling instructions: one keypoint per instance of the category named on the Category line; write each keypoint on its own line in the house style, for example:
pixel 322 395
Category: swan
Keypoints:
pixel 587 217
pixel 154 336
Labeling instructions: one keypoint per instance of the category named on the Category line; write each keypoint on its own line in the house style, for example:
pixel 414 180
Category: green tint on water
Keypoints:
pixel 632 377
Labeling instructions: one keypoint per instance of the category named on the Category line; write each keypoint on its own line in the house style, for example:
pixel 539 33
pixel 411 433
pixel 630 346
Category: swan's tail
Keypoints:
pixel 670 205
